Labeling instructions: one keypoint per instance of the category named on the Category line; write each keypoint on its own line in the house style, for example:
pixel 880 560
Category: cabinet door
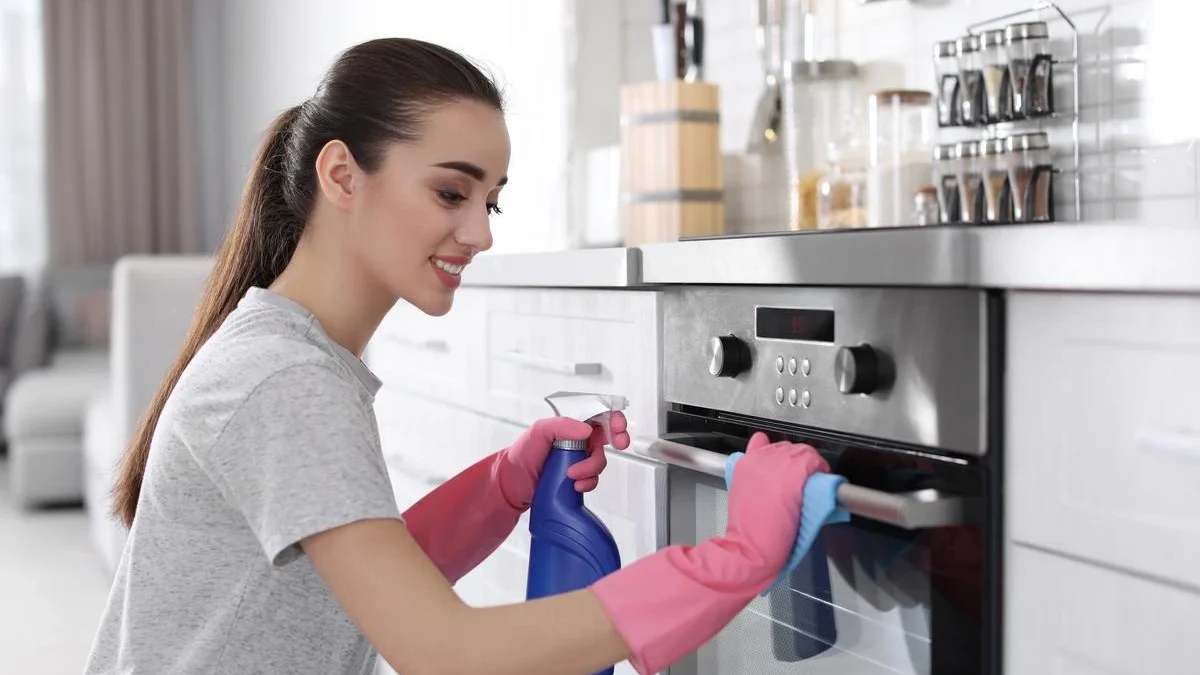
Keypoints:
pixel 1103 429
pixel 1068 617
pixel 434 357
pixel 540 341
pixel 433 440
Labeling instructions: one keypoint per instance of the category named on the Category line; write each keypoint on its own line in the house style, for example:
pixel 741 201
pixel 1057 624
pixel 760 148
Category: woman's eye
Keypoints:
pixel 494 209
pixel 451 197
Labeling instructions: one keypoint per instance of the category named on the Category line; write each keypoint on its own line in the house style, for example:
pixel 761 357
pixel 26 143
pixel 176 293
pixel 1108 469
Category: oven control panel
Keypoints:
pixel 901 364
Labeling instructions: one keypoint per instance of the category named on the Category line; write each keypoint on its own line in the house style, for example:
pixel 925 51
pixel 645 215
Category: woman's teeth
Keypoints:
pixel 452 269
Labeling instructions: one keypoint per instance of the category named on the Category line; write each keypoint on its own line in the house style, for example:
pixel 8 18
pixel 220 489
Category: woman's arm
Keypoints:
pixel 409 612
pixel 652 611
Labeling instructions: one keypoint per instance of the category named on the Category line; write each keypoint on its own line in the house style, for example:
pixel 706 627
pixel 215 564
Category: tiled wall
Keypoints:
pixel 1137 57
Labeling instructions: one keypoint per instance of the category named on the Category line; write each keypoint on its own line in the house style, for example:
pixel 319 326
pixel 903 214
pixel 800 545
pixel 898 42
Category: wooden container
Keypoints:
pixel 671 175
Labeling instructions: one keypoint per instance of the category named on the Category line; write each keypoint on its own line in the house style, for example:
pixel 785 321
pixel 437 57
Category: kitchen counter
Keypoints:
pixel 1085 257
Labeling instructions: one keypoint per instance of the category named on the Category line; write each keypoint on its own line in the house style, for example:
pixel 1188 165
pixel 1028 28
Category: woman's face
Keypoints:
pixel 425 213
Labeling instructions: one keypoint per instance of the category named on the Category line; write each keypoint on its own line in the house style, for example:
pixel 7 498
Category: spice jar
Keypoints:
pixel 925 206
pixel 970 181
pixel 901 125
pixel 1030 69
pixel 819 100
pixel 945 180
pixel 995 75
pixel 972 95
pixel 1031 177
pixel 841 196
pixel 945 65
pixel 993 153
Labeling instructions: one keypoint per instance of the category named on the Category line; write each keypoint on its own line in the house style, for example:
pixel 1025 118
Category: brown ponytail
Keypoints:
pixel 376 93
pixel 252 254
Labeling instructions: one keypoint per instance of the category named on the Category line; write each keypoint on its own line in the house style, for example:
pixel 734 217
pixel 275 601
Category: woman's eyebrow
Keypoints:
pixel 470 169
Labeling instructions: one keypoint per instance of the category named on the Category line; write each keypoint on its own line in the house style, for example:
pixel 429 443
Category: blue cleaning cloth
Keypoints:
pixel 819 508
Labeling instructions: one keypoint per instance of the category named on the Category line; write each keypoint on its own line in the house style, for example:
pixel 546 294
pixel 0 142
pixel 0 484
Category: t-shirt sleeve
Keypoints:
pixel 300 456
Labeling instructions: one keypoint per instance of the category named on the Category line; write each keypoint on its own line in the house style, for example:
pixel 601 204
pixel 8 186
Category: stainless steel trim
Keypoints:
pixel 992 38
pixel 706 116
pixel 1112 256
pixel 911 511
pixel 947 49
pixel 1034 140
pixel 966 149
pixel 532 362
pixel 1031 30
pixel 968 44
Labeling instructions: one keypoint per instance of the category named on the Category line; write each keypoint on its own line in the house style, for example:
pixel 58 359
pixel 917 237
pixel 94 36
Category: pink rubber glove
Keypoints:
pixel 668 604
pixel 465 519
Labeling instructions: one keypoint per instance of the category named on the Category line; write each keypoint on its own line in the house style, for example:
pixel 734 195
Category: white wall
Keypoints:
pixel 1137 56
pixel 272 53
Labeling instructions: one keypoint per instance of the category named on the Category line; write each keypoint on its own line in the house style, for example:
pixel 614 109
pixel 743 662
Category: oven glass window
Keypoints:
pixel 868 599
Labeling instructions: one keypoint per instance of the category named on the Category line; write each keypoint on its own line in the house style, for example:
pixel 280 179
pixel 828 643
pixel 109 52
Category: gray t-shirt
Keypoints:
pixel 269 436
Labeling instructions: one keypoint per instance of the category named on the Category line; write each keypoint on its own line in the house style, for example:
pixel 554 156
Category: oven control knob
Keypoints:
pixel 858 370
pixel 727 356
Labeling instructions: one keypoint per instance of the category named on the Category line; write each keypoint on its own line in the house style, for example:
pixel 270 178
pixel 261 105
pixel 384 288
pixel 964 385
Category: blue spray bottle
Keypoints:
pixel 570 547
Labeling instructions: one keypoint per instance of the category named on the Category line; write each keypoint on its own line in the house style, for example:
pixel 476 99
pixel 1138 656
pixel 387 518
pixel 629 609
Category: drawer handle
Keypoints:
pixel 429 345
pixel 910 510
pixel 548 365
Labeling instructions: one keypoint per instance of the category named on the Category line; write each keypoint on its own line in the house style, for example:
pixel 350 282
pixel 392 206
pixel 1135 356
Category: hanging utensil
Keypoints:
pixel 768 113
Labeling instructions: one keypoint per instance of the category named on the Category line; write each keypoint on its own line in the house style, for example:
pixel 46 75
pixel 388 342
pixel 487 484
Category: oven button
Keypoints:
pixel 857 369
pixel 727 356
pixel 792 365
pixel 805 367
pixel 805 399
pixel 792 397
pixel 779 364
pixel 779 395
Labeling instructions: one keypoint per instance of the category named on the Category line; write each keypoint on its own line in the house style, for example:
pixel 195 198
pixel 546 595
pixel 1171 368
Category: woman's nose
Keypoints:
pixel 477 232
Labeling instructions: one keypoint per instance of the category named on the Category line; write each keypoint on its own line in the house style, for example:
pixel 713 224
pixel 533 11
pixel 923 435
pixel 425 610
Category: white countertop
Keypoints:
pixel 1114 256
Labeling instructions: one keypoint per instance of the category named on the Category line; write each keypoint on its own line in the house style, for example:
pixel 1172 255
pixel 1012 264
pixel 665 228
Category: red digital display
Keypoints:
pixel 805 325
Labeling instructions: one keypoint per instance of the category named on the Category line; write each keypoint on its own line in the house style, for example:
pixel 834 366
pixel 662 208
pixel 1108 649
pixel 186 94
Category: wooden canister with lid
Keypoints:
pixel 671 173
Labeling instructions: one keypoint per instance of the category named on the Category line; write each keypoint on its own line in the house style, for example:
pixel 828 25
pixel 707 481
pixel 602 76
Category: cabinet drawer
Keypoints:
pixel 431 356
pixel 1103 429
pixel 542 341
pixel 1072 618
pixel 432 441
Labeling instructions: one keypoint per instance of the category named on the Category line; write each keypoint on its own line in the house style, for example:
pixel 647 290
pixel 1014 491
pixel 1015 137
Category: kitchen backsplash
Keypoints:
pixel 1138 124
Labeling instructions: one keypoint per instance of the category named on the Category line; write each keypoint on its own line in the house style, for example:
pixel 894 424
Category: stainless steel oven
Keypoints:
pixel 898 389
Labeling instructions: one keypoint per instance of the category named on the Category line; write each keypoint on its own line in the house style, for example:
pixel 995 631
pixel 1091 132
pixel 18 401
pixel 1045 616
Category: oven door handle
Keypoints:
pixel 907 510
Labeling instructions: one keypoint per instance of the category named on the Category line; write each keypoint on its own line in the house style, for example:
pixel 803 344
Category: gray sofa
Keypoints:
pixel 12 297
pixel 63 335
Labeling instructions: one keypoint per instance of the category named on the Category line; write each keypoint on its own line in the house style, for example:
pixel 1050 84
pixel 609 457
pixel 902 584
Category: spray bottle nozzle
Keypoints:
pixel 588 407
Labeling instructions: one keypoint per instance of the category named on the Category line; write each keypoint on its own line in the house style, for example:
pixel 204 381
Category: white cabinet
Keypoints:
pixel 1103 430
pixel 459 387
pixel 542 341
pixel 1072 618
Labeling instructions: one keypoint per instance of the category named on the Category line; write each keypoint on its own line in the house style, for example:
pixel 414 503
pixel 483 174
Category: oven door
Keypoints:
pixel 898 590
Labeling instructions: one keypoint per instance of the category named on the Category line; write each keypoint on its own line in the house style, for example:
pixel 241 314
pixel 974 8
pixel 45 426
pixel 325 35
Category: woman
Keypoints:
pixel 267 538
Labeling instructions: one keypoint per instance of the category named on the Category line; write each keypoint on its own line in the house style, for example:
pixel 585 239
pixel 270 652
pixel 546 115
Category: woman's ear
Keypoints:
pixel 336 170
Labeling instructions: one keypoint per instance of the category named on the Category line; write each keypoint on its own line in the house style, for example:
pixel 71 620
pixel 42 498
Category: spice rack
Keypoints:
pixel 984 97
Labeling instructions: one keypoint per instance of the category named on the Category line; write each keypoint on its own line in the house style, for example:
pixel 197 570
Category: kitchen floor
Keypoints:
pixel 53 587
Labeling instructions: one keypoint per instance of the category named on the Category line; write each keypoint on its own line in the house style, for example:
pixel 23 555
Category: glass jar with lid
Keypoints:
pixel 968 168
pixel 1030 69
pixel 819 99
pixel 993 154
pixel 945 66
pixel 972 95
pixel 842 193
pixel 901 127
pixel 995 75
pixel 945 181
pixel 1031 177
pixel 925 206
